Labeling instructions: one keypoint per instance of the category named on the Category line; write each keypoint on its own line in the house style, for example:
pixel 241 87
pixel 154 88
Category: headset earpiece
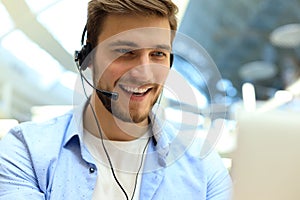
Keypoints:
pixel 171 60
pixel 81 55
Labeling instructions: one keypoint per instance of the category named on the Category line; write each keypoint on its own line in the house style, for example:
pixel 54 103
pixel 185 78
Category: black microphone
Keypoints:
pixel 111 95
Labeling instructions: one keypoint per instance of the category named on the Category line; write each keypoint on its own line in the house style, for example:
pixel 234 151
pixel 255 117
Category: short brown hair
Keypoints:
pixel 99 9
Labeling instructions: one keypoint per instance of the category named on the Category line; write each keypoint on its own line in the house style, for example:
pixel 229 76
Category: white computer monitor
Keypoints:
pixel 266 162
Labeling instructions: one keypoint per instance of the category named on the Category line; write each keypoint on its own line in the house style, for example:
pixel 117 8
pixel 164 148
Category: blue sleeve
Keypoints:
pixel 219 181
pixel 17 177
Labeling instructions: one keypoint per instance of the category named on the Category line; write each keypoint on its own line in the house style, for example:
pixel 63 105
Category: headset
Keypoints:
pixel 79 58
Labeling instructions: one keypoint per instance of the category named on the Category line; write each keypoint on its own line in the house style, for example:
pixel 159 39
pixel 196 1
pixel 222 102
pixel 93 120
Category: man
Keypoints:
pixel 114 146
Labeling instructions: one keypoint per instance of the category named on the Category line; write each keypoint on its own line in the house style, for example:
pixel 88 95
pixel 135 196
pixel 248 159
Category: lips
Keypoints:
pixel 136 91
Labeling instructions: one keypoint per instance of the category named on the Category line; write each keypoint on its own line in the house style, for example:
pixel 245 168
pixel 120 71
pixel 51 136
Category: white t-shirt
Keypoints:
pixel 126 158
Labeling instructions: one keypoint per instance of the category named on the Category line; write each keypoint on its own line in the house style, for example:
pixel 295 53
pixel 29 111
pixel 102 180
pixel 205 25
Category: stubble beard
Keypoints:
pixel 127 114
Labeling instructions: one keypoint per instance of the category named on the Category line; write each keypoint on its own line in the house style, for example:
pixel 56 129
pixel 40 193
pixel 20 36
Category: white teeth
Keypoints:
pixel 134 89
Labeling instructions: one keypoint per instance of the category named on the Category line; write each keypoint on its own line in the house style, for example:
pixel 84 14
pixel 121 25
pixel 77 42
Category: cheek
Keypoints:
pixel 161 75
pixel 113 73
pixel 105 69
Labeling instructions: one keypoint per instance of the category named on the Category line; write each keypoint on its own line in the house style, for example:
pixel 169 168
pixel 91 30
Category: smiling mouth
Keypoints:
pixel 136 91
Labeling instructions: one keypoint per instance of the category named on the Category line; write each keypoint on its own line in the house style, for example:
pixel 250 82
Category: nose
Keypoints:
pixel 142 68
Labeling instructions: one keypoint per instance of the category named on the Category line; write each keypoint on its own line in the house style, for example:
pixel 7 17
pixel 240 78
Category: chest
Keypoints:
pixel 173 183
pixel 74 178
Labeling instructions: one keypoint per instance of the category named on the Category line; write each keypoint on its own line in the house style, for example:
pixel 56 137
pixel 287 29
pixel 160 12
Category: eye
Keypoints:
pixel 159 54
pixel 124 51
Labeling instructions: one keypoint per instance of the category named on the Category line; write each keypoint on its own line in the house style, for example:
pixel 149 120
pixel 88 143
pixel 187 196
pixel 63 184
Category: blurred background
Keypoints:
pixel 251 42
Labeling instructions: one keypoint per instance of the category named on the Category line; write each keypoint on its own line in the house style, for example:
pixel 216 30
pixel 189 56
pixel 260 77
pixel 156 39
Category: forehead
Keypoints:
pixel 144 31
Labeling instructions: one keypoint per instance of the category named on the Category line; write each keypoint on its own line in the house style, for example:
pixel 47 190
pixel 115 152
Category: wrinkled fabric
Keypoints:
pixel 50 161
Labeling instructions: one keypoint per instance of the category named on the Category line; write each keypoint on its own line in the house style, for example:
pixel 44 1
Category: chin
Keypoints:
pixel 140 118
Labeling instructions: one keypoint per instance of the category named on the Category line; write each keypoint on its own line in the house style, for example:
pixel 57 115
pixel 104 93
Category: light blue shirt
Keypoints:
pixel 50 161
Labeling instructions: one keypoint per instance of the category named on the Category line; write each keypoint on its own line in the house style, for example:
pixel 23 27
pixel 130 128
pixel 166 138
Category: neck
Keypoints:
pixel 111 127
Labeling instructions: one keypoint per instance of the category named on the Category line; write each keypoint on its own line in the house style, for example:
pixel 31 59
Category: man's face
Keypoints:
pixel 132 59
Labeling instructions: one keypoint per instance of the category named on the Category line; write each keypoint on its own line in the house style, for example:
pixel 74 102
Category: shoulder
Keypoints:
pixel 36 135
pixel 206 160
pixel 39 128
pixel 36 130
pixel 30 150
pixel 205 154
pixel 201 170
pixel 219 183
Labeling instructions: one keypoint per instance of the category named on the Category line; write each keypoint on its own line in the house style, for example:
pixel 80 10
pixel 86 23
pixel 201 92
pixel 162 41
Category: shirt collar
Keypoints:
pixel 163 132
pixel 76 123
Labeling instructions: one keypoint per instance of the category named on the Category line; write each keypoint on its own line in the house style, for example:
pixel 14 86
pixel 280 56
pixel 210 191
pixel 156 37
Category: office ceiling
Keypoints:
pixel 237 35
pixel 37 41
pixel 36 48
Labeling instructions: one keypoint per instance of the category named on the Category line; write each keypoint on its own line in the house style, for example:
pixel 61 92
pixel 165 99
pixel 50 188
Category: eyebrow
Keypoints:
pixel 135 45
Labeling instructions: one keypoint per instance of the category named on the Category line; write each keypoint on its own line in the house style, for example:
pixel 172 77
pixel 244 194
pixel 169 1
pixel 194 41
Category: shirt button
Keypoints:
pixel 92 170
